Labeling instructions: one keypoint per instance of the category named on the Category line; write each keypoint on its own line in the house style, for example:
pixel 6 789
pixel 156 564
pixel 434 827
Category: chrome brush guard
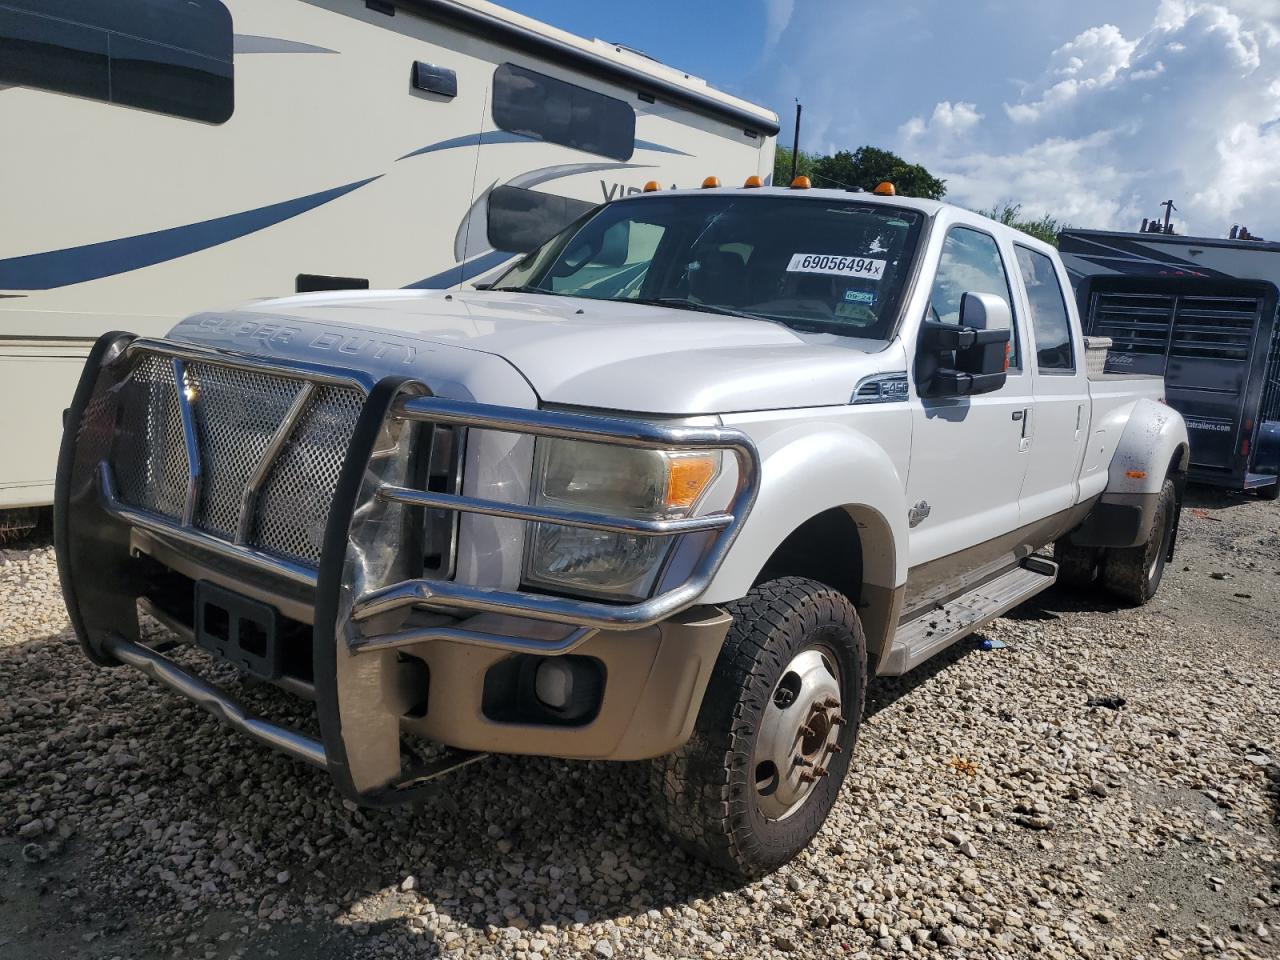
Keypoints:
pixel 296 477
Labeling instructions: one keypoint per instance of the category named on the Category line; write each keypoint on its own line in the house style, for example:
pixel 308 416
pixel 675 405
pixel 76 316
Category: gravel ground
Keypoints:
pixel 1106 784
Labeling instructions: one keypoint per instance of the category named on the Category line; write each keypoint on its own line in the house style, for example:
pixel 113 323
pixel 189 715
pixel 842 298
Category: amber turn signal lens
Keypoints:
pixel 1136 474
pixel 885 189
pixel 687 478
pixel 754 181
pixel 800 183
pixel 1008 352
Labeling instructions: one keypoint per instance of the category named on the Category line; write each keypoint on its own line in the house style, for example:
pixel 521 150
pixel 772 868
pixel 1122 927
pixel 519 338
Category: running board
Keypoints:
pixel 919 639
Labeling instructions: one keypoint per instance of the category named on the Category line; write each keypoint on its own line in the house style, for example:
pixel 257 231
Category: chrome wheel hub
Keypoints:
pixel 797 736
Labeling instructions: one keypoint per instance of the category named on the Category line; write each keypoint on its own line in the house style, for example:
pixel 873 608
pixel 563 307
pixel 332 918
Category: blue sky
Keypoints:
pixel 1092 110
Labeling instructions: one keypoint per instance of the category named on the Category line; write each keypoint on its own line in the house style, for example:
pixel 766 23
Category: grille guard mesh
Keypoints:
pixel 238 417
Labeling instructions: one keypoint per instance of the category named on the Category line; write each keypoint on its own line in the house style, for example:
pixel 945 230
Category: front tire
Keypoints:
pixel 773 738
pixel 1134 573
pixel 1269 492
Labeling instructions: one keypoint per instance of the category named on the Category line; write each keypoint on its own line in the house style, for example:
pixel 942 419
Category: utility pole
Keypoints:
pixel 795 143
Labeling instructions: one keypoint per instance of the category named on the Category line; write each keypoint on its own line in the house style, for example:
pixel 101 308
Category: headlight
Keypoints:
pixel 614 481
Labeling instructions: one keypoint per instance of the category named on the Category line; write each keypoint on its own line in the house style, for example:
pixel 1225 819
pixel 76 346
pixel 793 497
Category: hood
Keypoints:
pixel 572 351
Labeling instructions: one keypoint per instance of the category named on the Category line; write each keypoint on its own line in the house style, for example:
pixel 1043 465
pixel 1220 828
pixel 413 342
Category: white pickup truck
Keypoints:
pixel 674 488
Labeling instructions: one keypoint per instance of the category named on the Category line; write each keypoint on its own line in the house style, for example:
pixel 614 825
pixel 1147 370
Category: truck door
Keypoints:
pixel 967 453
pixel 1058 419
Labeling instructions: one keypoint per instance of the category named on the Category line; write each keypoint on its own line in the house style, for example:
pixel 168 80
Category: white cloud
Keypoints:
pixel 1188 109
pixel 1091 61
pixel 948 119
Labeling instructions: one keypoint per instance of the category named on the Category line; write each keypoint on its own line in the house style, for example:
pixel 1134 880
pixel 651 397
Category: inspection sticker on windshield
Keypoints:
pixel 843 266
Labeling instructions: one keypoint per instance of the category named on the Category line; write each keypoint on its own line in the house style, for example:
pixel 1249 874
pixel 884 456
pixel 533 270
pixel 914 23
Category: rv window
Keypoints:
pixel 545 108
pixel 1048 311
pixel 521 220
pixel 167 56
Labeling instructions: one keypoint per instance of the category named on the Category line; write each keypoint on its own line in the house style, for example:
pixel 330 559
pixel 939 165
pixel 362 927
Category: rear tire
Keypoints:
pixel 1077 566
pixel 789 683
pixel 1134 573
pixel 1270 492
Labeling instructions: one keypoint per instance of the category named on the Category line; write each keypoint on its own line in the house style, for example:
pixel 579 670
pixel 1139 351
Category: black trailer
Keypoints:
pixel 1201 313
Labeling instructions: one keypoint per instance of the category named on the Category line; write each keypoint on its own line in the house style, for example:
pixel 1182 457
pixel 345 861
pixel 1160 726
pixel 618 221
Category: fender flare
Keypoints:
pixel 806 470
pixel 1152 435
pixel 1153 441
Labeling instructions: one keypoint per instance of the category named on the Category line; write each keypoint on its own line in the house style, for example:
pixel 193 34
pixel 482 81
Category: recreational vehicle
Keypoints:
pixel 164 156
pixel 1202 313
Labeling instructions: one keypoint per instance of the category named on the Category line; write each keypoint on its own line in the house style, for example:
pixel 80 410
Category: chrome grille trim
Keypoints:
pixel 268 459
pixel 187 416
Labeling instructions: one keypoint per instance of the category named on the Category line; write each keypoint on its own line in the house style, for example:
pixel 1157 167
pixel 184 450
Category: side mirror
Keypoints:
pixel 968 359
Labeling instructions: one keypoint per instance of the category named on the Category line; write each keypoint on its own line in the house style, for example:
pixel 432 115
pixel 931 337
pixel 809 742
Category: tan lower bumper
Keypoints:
pixel 654 681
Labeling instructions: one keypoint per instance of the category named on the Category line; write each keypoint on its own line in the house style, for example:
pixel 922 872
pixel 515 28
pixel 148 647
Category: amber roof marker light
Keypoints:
pixel 753 181
pixel 652 186
pixel 800 183
pixel 885 189
pixel 710 182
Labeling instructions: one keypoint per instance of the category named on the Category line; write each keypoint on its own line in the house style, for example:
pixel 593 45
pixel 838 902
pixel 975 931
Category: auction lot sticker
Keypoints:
pixel 830 263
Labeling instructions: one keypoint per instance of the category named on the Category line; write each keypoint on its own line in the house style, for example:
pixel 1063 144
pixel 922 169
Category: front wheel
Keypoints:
pixel 1134 573
pixel 773 738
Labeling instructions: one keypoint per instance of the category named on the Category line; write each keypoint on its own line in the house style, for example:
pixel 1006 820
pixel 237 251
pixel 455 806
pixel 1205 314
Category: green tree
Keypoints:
pixel 782 166
pixel 868 166
pixel 1046 228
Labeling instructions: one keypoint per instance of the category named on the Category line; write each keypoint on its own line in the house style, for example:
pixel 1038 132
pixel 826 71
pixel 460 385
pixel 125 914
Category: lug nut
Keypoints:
pixel 806 730
pixel 802 762
pixel 821 771
pixel 838 720
pixel 807 777
pixel 835 748
pixel 831 702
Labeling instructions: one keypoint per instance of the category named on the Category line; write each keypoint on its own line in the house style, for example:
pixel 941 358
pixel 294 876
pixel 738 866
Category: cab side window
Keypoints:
pixel 1049 319
pixel 971 263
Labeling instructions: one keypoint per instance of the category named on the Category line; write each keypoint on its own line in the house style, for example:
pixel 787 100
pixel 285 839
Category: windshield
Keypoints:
pixel 828 266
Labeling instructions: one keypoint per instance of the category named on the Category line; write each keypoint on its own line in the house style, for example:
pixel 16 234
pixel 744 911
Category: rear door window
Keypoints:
pixel 1049 319
pixel 544 108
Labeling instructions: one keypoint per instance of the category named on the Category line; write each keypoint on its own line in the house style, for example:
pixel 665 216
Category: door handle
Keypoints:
pixel 1024 444
pixel 1017 415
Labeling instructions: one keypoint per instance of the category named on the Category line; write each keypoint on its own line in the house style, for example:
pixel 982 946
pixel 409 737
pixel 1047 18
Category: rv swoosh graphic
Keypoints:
pixel 61 268
pixel 462 271
pixel 650 145
pixel 249 43
pixel 504 136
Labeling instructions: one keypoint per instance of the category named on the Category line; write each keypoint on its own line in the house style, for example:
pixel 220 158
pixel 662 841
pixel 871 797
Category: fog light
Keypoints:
pixel 553 683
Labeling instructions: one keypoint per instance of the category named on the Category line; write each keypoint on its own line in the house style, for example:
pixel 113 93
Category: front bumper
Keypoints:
pixel 377 625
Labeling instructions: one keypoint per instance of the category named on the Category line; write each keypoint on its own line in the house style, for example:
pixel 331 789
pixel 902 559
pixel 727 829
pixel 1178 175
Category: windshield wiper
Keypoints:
pixel 683 303
pixel 526 288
